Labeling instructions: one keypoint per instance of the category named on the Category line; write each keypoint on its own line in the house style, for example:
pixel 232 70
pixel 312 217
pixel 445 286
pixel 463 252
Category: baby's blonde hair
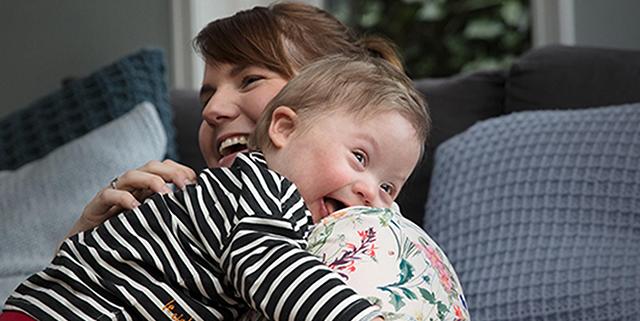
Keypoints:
pixel 362 85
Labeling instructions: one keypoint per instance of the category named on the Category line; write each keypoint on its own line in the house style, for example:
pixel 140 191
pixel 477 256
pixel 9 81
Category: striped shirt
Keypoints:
pixel 234 241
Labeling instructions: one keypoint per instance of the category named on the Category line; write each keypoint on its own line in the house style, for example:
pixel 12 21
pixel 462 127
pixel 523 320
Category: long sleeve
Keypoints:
pixel 234 240
pixel 263 254
pixel 145 264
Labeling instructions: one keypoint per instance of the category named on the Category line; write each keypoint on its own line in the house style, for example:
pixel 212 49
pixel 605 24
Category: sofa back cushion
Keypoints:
pixel 455 103
pixel 563 77
pixel 187 111
pixel 539 212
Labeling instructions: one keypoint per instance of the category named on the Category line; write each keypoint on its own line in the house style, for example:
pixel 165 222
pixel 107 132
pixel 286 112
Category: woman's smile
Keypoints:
pixel 233 98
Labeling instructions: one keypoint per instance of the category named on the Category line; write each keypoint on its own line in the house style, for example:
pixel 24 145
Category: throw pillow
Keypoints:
pixel 84 104
pixel 539 212
pixel 41 200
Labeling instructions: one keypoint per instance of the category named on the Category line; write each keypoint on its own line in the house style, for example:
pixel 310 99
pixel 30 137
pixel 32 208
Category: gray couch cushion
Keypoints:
pixel 539 212
pixel 573 77
pixel 455 103
pixel 187 118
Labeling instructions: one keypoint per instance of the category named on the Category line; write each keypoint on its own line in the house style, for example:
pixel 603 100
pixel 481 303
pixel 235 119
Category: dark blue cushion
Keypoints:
pixel 539 213
pixel 84 104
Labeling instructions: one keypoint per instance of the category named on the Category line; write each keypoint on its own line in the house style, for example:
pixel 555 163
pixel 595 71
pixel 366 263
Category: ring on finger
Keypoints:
pixel 113 183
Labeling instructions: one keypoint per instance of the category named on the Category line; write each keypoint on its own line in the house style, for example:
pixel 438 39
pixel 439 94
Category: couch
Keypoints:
pixel 535 185
pixel 518 255
pixel 535 195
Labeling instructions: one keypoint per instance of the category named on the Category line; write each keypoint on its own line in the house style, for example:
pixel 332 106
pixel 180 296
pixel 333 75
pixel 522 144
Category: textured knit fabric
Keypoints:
pixel 451 113
pixel 40 201
pixel 235 237
pixel 539 212
pixel 84 104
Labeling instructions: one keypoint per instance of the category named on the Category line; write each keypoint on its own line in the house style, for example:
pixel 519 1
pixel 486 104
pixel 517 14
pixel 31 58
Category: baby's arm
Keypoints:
pixel 264 259
pixel 144 264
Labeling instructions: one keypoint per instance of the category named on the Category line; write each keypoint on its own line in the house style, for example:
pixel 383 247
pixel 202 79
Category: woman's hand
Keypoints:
pixel 130 189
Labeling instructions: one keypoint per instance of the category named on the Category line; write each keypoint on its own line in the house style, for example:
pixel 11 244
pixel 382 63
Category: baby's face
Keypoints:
pixel 340 160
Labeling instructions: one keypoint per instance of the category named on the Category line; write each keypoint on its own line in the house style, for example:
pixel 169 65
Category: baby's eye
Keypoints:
pixel 360 157
pixel 387 188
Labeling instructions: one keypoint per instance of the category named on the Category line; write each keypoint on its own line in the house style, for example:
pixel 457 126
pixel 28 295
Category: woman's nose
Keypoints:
pixel 220 108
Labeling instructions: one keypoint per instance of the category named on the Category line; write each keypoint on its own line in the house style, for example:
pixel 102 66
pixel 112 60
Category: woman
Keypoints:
pixel 249 57
pixel 271 43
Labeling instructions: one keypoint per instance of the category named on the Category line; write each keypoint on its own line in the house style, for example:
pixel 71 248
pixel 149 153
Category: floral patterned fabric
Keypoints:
pixel 392 262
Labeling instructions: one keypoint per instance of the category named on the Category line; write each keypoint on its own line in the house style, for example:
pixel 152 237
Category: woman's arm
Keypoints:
pixel 130 189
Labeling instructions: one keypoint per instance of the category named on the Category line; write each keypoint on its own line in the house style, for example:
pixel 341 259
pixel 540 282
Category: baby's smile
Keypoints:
pixel 333 204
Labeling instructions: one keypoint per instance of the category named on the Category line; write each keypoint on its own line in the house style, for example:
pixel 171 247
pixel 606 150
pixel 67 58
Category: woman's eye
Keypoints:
pixel 205 97
pixel 205 102
pixel 360 157
pixel 248 80
pixel 387 188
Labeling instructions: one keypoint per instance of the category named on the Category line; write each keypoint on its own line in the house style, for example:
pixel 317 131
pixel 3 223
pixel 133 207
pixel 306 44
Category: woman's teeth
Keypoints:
pixel 232 144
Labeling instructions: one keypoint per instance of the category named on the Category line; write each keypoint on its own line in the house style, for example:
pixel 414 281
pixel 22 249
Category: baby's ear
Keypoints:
pixel 283 124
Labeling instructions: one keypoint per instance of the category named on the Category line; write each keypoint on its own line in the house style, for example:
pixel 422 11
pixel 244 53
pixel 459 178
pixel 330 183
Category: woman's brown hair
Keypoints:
pixel 283 38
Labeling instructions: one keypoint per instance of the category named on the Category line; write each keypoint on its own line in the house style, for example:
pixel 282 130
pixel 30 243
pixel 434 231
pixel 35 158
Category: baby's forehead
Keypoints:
pixel 385 122
pixel 352 111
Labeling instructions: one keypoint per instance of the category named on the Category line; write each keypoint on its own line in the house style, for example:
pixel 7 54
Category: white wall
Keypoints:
pixel 44 41
pixel 612 23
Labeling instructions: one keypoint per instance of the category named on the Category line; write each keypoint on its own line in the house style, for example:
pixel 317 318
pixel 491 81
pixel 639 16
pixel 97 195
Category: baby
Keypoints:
pixel 343 132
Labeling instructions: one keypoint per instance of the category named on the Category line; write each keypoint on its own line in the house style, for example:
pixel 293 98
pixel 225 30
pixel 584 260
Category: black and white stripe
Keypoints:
pixel 210 252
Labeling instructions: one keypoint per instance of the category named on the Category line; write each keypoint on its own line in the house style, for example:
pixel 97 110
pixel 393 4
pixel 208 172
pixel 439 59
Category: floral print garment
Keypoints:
pixel 392 262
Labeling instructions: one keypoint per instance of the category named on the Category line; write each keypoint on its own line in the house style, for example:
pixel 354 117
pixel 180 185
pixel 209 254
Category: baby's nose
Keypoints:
pixel 367 194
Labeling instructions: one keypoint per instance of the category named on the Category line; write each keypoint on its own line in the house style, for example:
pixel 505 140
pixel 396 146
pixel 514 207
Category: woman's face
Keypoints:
pixel 233 97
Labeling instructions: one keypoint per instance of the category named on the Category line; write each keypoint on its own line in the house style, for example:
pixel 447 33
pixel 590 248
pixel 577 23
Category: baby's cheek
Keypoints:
pixel 336 176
